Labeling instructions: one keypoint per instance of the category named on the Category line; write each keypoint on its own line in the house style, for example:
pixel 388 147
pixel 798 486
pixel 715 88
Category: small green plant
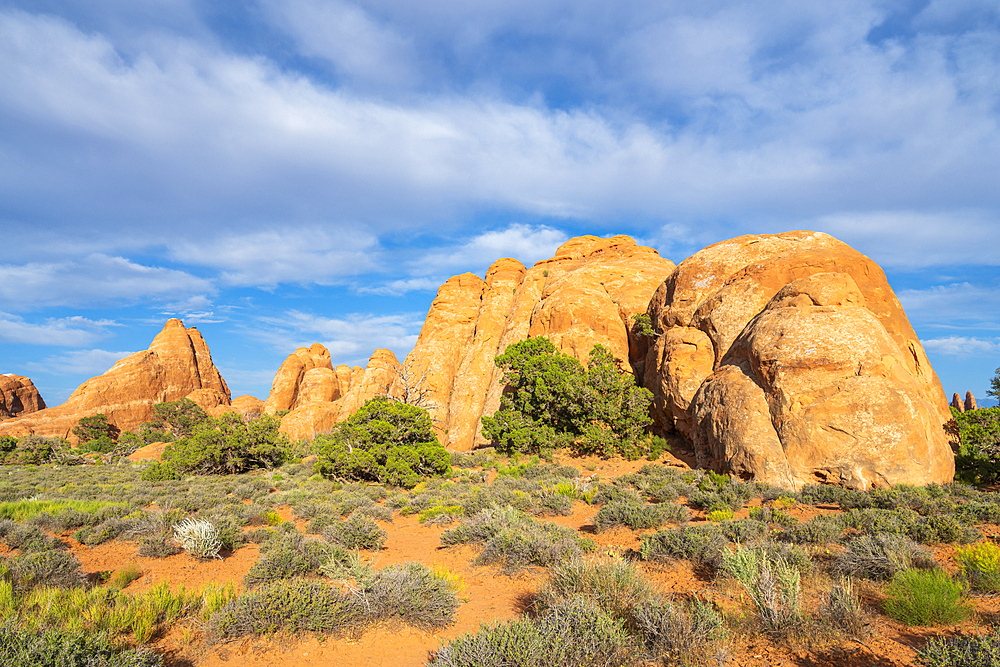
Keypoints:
pixel 356 532
pixel 720 515
pixel 925 597
pixel 125 576
pixel 980 565
pixel 615 585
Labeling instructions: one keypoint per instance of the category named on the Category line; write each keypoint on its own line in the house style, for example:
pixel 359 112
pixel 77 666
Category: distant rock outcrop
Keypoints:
pixel 18 397
pixel 311 412
pixel 176 365
pixel 970 401
pixel 307 376
pixel 787 358
pixel 587 294
pixel 956 402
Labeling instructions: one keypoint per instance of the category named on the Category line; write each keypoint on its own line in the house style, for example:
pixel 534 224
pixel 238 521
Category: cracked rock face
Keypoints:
pixel 788 359
pixel 177 364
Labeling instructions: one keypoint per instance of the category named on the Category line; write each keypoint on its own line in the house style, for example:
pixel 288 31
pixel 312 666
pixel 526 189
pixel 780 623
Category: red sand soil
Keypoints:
pixel 491 596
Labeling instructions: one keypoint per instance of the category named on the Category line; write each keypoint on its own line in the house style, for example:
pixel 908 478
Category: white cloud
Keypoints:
pixel 961 346
pixel 268 258
pixel 525 243
pixel 400 287
pixel 351 339
pixel 357 45
pixel 93 279
pixel 67 331
pixel 79 362
pixel 954 306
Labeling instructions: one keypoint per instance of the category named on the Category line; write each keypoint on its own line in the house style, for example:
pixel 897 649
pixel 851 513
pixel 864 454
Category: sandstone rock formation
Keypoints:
pixel 970 401
pixel 246 405
pixel 957 403
pixel 586 294
pixel 18 396
pixel 787 358
pixel 312 413
pixel 177 364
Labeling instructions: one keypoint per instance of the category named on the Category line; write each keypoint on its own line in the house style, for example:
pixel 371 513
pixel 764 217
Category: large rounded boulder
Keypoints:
pixel 788 359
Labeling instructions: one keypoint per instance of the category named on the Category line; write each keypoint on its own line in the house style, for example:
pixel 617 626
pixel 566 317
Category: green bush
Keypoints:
pixel 978 457
pixel 412 594
pixel 925 597
pixel 386 442
pixel 96 434
pixel 616 586
pixel 158 471
pixel 36 450
pixel 65 648
pixel 961 651
pixel 552 402
pixel 229 445
pixel 178 419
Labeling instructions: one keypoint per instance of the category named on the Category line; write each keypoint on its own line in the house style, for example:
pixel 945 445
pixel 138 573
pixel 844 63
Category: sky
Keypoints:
pixel 285 172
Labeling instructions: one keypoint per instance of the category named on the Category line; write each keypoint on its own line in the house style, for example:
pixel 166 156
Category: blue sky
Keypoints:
pixel 283 172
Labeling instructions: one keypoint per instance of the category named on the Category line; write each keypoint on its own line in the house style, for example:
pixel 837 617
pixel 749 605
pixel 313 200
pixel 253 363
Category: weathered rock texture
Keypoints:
pixel 970 401
pixel 177 364
pixel 316 403
pixel 246 405
pixel 18 396
pixel 957 403
pixel 586 294
pixel 788 359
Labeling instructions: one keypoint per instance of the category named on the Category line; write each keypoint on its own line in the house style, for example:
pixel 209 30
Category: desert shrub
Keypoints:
pixel 101 533
pixel 743 530
pixel 159 471
pixel 841 610
pixel 703 545
pixel 883 556
pixel 179 419
pixel 27 538
pixel 386 442
pixel 822 529
pixel 635 515
pixel 286 605
pixel 125 576
pixel 413 594
pixel 229 445
pixel 45 568
pixel 66 648
pixel 199 538
pixel 904 521
pixel 980 565
pixel 345 564
pixel 961 651
pixel 286 555
pixel 553 401
pixel 616 586
pixel 442 515
pixel 96 434
pixel 925 597
pixel 514 540
pixel 771 583
pixel 36 450
pixel 576 633
pixel 680 633
pixel 356 532
pixel 978 457
pixel 477 458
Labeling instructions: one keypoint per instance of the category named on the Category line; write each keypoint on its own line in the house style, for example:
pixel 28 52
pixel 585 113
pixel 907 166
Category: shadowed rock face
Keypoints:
pixel 788 359
pixel 586 294
pixel 177 364
pixel 18 397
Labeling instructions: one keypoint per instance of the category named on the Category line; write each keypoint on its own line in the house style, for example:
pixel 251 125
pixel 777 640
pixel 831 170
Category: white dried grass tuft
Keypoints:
pixel 198 537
